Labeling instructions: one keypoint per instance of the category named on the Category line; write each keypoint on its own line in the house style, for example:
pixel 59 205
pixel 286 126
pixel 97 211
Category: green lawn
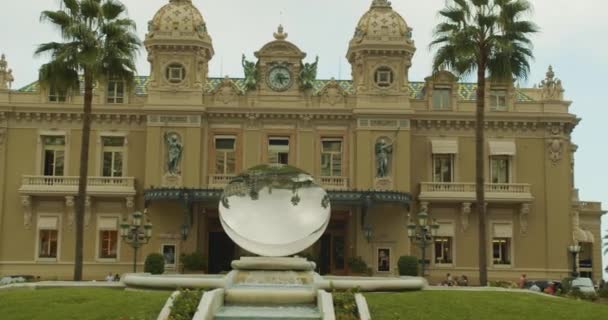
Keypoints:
pixel 460 305
pixel 80 304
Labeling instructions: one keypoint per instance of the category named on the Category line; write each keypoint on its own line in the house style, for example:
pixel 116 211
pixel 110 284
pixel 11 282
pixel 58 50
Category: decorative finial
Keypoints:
pixel 280 34
pixel 551 87
pixel 6 75
pixel 381 4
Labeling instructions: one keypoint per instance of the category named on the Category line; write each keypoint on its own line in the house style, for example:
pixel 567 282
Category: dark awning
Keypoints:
pixel 188 196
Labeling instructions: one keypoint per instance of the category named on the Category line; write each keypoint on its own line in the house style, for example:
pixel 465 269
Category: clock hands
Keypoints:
pixel 281 78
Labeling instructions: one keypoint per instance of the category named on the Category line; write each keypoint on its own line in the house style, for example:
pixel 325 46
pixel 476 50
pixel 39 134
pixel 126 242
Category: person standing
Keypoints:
pixel 522 281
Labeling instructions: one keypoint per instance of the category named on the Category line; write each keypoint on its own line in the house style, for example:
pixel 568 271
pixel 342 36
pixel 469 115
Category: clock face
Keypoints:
pixel 279 78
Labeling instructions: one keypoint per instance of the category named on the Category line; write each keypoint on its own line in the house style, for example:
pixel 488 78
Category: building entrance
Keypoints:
pixel 221 252
pixel 331 248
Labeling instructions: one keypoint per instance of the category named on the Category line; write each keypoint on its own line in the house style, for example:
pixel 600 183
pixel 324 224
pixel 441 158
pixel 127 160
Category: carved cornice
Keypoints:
pixel 70 117
pixel 561 128
pixel 251 115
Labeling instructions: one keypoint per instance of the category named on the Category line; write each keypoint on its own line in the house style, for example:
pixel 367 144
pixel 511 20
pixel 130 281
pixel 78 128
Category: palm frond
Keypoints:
pixel 112 9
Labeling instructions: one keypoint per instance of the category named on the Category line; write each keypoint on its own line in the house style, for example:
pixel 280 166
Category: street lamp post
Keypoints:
pixel 574 250
pixel 422 234
pixel 135 233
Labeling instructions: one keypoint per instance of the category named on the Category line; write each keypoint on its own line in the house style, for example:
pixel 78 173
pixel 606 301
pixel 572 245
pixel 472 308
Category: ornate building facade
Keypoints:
pixel 384 146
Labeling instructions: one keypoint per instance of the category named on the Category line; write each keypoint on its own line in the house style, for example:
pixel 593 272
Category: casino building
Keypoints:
pixel 383 145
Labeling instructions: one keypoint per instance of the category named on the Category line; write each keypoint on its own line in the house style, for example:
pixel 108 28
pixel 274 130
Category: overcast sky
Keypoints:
pixel 573 40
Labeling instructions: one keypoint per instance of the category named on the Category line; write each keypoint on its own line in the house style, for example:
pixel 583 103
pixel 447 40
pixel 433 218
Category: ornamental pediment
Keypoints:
pixel 280 49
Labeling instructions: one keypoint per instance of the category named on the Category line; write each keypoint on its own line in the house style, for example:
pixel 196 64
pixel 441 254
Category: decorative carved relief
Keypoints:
pixel 465 212
pixel 332 93
pixel 87 211
pixel 556 148
pixel 227 92
pixel 523 217
pixel 130 203
pixel 424 207
pixel 26 203
pixel 69 206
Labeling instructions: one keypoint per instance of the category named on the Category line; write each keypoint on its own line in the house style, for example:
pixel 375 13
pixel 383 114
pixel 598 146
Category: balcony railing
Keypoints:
pixel 465 191
pixel 330 183
pixel 333 183
pixel 65 185
pixel 220 180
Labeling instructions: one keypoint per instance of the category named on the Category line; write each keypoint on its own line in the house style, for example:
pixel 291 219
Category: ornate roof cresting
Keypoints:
pixel 551 87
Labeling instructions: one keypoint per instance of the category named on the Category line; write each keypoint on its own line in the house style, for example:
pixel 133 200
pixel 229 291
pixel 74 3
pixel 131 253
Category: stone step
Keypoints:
pixel 260 295
pixel 287 312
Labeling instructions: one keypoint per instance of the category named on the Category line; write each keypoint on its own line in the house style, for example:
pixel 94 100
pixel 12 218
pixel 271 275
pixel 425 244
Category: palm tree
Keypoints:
pixel 99 42
pixel 490 38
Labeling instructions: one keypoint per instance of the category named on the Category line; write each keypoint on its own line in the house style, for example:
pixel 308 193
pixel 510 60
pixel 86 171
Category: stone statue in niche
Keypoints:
pixel 384 150
pixel 174 152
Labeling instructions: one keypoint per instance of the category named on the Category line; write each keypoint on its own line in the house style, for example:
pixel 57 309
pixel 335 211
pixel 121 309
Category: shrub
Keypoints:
pixel 603 292
pixel 357 265
pixel 345 306
pixel 185 305
pixel 408 266
pixel 575 293
pixel 194 261
pixel 503 284
pixel 566 284
pixel 155 263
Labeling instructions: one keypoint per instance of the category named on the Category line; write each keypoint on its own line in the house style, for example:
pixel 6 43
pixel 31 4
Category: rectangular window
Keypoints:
pixel 116 91
pixel 112 156
pixel 501 251
pixel 169 252
pixel 498 100
pixel 48 236
pixel 441 99
pixel 443 168
pixel 500 169
pixel 109 242
pixel 443 250
pixel 48 244
pixel 108 238
pixel 225 155
pixel 53 155
pixel 331 157
pixel 56 95
pixel 278 150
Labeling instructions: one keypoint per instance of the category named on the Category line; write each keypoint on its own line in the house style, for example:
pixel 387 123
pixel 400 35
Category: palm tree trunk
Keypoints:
pixel 82 180
pixel 479 172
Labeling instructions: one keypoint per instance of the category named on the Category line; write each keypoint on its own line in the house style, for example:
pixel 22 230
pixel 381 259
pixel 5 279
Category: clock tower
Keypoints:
pixel 280 66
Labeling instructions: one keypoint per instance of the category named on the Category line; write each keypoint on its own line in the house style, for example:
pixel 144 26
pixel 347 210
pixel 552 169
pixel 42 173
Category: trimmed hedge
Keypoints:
pixel 185 305
pixel 195 261
pixel 155 263
pixel 357 265
pixel 408 266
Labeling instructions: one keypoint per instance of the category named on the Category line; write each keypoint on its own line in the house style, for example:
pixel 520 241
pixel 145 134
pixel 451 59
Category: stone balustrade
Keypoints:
pixel 331 183
pixel 68 185
pixel 465 191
